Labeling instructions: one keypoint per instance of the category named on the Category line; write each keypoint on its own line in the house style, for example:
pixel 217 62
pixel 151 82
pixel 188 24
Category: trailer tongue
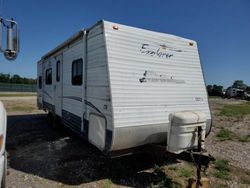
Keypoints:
pixel 187 131
pixel 199 157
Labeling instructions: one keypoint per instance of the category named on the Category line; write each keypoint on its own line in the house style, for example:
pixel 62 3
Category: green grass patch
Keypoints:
pixel 174 168
pixel 186 172
pixel 237 110
pixel 214 97
pixel 162 180
pixel 225 134
pixel 21 108
pixel 223 169
pixel 244 138
pixel 17 94
pixel 107 183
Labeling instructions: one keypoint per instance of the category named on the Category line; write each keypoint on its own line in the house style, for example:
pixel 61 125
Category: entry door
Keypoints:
pixel 58 85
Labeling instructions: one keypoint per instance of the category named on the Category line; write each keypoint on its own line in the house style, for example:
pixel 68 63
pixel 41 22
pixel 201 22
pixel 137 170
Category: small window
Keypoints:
pixel 49 76
pixel 77 72
pixel 40 82
pixel 58 71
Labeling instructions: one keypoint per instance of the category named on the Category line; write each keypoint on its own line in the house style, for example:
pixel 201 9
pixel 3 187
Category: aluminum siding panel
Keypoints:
pixel 98 92
pixel 137 104
pixel 76 51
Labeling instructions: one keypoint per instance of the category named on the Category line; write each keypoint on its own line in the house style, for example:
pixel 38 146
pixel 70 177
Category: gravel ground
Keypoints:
pixel 238 153
pixel 20 105
pixel 24 99
pixel 40 157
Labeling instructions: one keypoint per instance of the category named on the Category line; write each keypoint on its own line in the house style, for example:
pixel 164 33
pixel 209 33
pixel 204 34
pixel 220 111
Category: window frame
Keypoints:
pixel 58 71
pixel 40 82
pixel 47 81
pixel 77 72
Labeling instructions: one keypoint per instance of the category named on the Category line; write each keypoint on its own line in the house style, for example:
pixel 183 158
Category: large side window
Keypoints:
pixel 58 71
pixel 49 76
pixel 77 69
pixel 40 82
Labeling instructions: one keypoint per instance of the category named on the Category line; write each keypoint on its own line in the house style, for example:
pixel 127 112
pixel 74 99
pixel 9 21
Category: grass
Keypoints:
pixel 174 168
pixel 107 183
pixel 21 108
pixel 237 110
pixel 215 97
pixel 223 169
pixel 17 94
pixel 186 172
pixel 244 138
pixel 162 180
pixel 225 134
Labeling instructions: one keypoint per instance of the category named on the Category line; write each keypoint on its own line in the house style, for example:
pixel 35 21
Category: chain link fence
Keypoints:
pixel 17 87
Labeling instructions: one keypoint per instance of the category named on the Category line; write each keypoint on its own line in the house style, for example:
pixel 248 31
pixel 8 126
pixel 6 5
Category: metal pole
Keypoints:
pixel 1 30
pixel 198 171
pixel 10 38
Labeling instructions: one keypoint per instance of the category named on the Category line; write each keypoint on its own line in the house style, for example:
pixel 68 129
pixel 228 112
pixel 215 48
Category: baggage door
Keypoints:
pixel 58 85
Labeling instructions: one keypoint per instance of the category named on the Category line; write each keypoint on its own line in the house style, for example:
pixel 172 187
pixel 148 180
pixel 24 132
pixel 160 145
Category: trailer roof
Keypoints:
pixel 80 33
pixel 65 43
pixel 74 37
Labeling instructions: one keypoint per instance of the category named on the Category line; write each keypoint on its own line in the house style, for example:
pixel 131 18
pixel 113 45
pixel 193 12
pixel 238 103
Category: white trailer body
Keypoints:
pixel 120 86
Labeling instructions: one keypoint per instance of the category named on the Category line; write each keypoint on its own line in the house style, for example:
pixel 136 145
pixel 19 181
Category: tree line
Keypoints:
pixel 218 90
pixel 16 79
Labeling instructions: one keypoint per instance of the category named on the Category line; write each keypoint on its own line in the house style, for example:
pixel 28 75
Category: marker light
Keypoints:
pixel 115 27
pixel 191 43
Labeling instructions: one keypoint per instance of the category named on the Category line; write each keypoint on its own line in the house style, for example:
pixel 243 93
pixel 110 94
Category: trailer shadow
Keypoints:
pixel 62 156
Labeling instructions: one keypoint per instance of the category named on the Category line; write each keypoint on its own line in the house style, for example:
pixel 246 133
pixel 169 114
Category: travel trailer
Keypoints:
pixel 122 87
pixel 233 92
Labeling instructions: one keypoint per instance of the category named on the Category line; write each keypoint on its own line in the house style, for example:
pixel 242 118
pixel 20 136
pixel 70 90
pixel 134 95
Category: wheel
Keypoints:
pixel 54 121
pixel 3 183
pixel 50 119
pixel 57 123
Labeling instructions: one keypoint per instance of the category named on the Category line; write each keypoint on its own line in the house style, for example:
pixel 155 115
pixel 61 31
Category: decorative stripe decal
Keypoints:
pixel 85 101
pixel 46 93
pixel 48 106
pixel 73 98
pixel 92 106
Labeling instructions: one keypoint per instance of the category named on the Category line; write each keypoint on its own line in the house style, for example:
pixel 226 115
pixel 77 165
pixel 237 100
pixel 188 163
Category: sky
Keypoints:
pixel 221 29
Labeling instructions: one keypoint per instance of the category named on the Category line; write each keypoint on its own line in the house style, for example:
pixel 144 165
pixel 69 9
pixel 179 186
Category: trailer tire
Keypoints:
pixel 57 124
pixel 50 119
pixel 54 121
pixel 3 182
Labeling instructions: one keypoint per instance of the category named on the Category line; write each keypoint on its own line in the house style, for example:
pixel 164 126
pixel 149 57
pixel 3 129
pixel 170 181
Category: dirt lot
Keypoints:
pixel 42 157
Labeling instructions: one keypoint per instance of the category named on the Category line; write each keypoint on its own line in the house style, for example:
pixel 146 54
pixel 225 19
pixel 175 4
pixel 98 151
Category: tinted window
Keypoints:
pixel 40 82
pixel 58 71
pixel 77 66
pixel 49 76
